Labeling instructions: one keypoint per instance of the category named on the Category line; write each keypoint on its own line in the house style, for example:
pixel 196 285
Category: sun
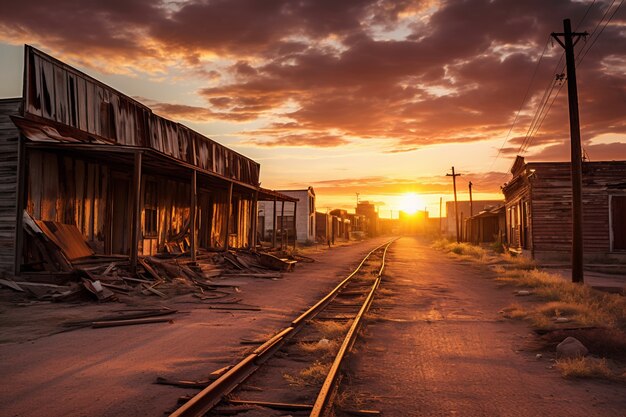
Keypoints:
pixel 411 202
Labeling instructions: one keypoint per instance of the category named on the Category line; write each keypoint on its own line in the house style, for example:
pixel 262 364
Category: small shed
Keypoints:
pixel 488 226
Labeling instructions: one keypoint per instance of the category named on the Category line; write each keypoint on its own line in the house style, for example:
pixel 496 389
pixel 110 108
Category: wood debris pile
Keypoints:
pixel 64 268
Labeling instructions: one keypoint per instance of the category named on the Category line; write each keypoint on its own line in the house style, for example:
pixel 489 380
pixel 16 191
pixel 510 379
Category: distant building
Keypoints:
pixel 304 223
pixel 340 225
pixel 488 226
pixel 464 212
pixel 539 214
pixel 370 217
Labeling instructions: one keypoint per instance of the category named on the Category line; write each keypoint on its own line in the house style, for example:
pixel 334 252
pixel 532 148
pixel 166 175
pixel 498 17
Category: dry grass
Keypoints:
pixel 332 329
pixel 584 368
pixel 313 375
pixel 581 303
pixel 463 249
pixel 324 348
pixel 515 312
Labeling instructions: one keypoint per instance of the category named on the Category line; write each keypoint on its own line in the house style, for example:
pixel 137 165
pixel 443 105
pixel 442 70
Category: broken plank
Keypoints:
pixel 184 384
pixel 149 270
pixel 116 323
pixel 234 308
pixel 273 405
pixel 153 290
pixel 11 284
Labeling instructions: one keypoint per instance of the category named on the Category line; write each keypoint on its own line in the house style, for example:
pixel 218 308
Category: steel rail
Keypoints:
pixel 210 396
pixel 328 390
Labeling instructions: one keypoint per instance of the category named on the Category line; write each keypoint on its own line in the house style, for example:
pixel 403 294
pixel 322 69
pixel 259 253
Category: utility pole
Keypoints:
pixel 456 205
pixel 471 202
pixel 440 203
pixel 357 199
pixel 569 41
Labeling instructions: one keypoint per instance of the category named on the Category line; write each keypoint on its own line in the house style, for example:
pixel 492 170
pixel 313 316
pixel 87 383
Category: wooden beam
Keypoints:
pixel 295 227
pixel 255 218
pixel 135 225
pixel 274 224
pixel 193 210
pixel 282 224
pixel 20 203
pixel 228 210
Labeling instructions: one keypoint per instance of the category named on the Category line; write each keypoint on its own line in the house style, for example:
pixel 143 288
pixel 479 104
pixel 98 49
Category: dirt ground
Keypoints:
pixel 110 372
pixel 436 345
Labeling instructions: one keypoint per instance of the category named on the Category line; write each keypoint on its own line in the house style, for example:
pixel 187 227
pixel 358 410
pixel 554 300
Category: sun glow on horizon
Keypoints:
pixel 411 203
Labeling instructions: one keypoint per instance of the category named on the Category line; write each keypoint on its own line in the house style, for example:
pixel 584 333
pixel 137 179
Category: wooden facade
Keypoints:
pixel 9 178
pixel 76 151
pixel 539 214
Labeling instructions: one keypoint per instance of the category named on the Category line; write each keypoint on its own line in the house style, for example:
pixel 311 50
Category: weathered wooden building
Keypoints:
pixel 76 151
pixel 538 202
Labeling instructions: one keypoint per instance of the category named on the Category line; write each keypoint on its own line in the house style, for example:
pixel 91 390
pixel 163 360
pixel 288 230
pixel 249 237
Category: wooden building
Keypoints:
pixel 300 223
pixel 75 151
pixel 340 225
pixel 488 226
pixel 538 202
pixel 466 209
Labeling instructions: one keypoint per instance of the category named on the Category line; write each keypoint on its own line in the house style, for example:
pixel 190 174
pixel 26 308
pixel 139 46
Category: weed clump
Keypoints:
pixel 584 368
pixel 313 375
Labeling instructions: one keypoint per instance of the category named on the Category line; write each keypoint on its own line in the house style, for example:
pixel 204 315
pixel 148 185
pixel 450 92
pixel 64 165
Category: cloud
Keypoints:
pixel 317 141
pixel 313 73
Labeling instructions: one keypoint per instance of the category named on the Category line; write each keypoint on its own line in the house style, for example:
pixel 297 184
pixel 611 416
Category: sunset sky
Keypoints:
pixel 375 97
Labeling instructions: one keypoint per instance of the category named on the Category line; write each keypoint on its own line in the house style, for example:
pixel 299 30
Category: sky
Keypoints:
pixel 376 97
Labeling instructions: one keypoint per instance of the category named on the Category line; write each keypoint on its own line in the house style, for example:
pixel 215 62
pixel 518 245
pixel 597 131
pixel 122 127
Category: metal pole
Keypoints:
pixel 471 202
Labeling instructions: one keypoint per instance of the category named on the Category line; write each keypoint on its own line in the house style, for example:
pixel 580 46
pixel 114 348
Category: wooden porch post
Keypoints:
pixel 274 224
pixel 228 209
pixel 295 227
pixel 282 224
pixel 193 210
pixel 135 228
pixel 255 218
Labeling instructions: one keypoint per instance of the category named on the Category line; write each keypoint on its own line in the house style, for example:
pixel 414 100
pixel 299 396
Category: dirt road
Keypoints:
pixel 438 347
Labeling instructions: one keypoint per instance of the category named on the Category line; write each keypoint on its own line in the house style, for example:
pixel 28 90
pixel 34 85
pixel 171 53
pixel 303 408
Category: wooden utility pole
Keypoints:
pixel 471 202
pixel 440 203
pixel 456 205
pixel 569 41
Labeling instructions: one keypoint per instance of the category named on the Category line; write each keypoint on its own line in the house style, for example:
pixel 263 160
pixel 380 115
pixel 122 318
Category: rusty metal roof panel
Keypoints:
pixel 64 96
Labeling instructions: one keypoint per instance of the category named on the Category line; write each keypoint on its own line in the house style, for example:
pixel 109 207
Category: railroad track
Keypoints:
pixel 304 342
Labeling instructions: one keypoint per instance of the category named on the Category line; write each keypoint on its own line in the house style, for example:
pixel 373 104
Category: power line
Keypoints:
pixel 532 79
pixel 580 59
pixel 584 53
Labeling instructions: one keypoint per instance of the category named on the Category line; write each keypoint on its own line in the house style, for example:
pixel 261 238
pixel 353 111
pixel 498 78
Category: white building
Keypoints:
pixel 305 216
